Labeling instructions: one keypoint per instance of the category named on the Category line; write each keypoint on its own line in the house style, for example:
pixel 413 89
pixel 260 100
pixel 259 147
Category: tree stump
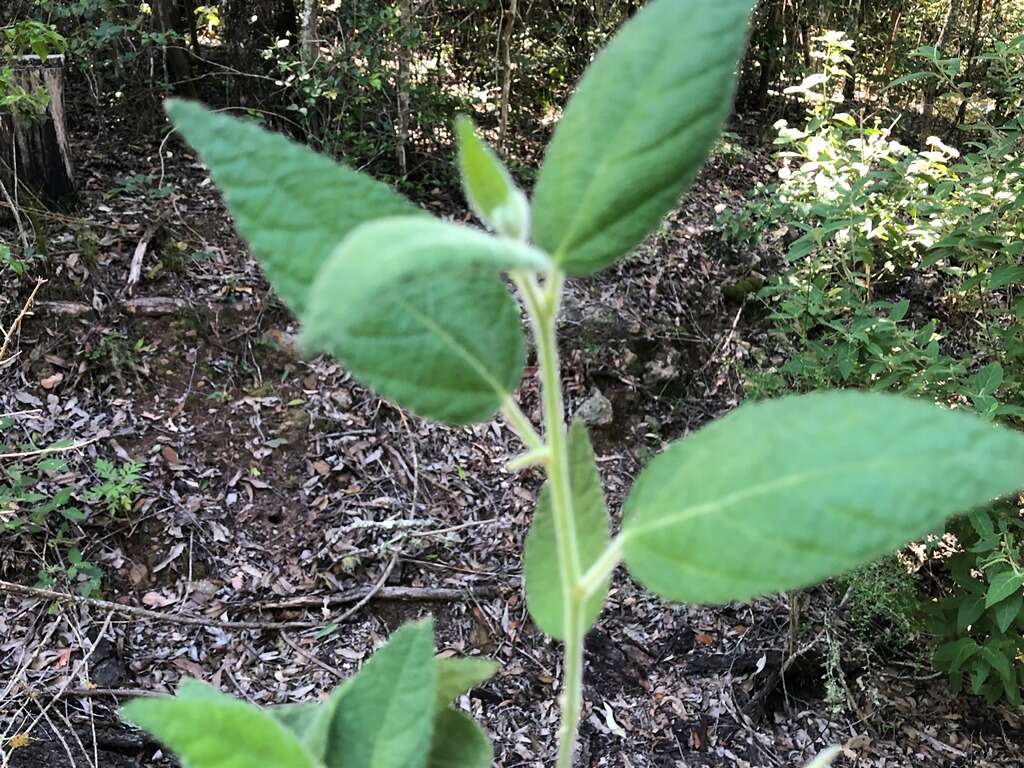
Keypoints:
pixel 35 156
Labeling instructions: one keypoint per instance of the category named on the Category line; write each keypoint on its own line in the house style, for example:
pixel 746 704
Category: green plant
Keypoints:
pixel 773 497
pixel 30 36
pixel 36 500
pixel 864 216
pixel 119 486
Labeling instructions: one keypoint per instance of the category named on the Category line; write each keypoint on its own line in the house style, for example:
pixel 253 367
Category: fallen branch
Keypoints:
pixel 149 306
pixel 359 596
pixel 51 449
pixel 410 594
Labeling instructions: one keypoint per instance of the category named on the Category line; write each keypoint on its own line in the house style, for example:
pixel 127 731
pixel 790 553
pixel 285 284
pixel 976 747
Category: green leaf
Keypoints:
pixel 490 190
pixel 459 742
pixel 970 610
pixel 633 136
pixel 458 675
pixel 416 309
pixel 952 656
pixel 1008 610
pixel 782 494
pixel 1008 274
pixel 385 719
pixel 544 596
pixel 190 688
pixel 311 721
pixel 292 205
pixel 1002 586
pixel 210 730
pixel 999 655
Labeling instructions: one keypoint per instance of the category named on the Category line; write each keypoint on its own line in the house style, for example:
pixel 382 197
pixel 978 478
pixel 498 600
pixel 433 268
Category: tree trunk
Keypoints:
pixel 506 62
pixel 972 54
pixel 853 22
pixel 931 92
pixel 309 31
pixel 406 8
pixel 177 70
pixel 35 156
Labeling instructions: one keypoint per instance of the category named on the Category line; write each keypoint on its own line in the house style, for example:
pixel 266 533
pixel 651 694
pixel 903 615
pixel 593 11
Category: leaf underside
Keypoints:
pixel 417 310
pixel 781 494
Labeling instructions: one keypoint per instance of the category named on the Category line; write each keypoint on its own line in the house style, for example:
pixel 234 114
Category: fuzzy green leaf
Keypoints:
pixel 544 596
pixel 632 138
pixel 417 310
pixel 291 204
pixel 209 730
pixel 782 494
pixel 385 719
pixel 310 721
pixel 490 190
pixel 459 742
pixel 458 675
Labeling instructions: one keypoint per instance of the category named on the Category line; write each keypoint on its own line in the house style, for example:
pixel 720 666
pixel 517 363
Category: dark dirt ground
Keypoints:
pixel 272 483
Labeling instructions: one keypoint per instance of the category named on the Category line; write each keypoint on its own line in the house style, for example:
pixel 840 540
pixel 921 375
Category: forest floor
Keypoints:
pixel 277 490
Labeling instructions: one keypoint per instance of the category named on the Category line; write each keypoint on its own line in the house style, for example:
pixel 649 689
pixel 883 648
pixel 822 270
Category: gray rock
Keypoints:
pixel 596 410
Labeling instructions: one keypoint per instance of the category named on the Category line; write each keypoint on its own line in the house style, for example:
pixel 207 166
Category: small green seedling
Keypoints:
pixel 774 496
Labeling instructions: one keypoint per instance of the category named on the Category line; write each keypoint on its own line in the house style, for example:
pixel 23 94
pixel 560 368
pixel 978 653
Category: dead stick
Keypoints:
pixel 9 333
pixel 384 593
pixel 51 449
pixel 411 594
pixel 107 605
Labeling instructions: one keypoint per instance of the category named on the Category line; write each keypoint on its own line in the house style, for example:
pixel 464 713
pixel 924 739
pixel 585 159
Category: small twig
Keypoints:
pixel 439 594
pixel 195 621
pixel 17 221
pixel 371 592
pixel 135 271
pixel 311 658
pixel 9 333
pixel 149 306
pixel 51 449
pixel 15 414
pixel 74 673
pixel 411 594
pixel 98 693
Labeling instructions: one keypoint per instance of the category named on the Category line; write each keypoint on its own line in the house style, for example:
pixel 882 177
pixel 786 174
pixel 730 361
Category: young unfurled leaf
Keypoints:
pixel 459 742
pixel 385 719
pixel 416 309
pixel 292 205
pixel 637 130
pixel 782 494
pixel 457 675
pixel 544 596
pixel 209 730
pixel 490 190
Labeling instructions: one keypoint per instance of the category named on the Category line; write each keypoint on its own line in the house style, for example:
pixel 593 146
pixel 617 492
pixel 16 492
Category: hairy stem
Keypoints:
pixel 542 305
pixel 596 574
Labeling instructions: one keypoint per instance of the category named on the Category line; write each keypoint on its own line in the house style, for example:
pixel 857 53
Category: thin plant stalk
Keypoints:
pixel 542 303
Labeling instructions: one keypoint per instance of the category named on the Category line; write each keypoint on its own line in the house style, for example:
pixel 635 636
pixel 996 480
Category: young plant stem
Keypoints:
pixel 542 304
